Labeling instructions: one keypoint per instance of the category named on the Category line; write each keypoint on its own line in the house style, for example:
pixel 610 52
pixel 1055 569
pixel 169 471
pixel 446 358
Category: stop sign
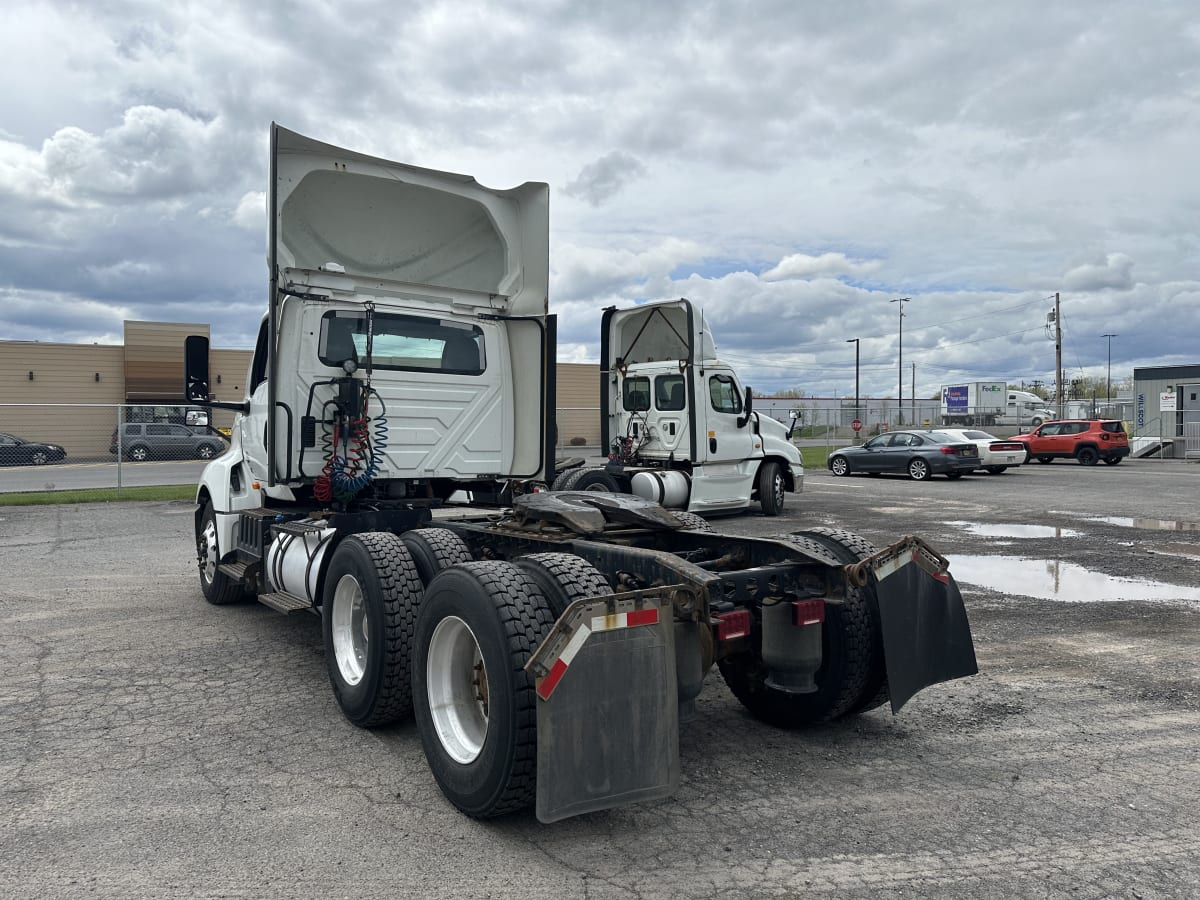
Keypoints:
pixel 856 425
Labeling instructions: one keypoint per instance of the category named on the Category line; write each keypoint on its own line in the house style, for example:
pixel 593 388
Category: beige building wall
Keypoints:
pixel 154 359
pixel 69 393
pixel 578 404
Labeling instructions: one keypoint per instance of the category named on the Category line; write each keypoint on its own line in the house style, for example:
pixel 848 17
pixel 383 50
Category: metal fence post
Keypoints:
pixel 120 445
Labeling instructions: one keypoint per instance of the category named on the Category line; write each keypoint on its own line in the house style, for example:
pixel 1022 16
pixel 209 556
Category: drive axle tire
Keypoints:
pixel 219 589
pixel 839 465
pixel 1087 456
pixel 587 480
pixel 475 704
pixel 368 616
pixel 771 488
pixel 434 549
pixel 563 578
pixel 852 677
pixel 693 522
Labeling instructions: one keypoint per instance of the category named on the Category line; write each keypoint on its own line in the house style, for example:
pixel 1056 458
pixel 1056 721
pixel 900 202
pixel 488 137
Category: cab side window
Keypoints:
pixel 723 392
pixel 258 370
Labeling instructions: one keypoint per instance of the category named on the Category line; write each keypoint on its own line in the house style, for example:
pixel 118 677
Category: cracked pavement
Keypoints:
pixel 153 745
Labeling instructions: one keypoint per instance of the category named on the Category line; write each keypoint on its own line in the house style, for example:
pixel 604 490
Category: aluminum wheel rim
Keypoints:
pixel 206 551
pixel 457 690
pixel 350 631
pixel 918 469
pixel 778 486
pixel 840 466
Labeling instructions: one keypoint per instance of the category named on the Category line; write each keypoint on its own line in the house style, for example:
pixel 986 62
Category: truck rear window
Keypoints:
pixel 635 395
pixel 402 342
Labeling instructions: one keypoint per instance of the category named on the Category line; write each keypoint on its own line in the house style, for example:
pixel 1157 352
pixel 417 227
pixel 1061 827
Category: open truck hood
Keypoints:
pixel 666 330
pixel 390 228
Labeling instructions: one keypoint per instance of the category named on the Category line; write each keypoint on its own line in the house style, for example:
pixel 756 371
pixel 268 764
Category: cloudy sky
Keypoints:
pixel 791 167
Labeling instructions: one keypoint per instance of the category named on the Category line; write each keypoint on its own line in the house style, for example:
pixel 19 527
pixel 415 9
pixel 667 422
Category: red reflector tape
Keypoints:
pixel 808 612
pixel 733 625
pixel 546 686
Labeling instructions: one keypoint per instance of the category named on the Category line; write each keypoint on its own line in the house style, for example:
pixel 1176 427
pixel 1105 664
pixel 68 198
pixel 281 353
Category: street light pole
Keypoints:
pixel 1108 383
pixel 857 415
pixel 900 366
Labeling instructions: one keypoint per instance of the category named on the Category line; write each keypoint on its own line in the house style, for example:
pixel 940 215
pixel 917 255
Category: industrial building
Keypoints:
pixel 74 394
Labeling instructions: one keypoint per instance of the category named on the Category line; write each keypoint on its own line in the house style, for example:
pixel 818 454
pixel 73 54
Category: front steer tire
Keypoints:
pixel 368 618
pixel 218 588
pixel 852 677
pixel 771 488
pixel 475 704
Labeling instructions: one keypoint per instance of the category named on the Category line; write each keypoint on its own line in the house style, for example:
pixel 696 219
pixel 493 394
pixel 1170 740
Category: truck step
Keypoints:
pixel 283 602
pixel 235 570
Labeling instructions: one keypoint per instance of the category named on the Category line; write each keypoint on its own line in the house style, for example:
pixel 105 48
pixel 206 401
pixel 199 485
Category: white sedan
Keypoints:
pixel 995 454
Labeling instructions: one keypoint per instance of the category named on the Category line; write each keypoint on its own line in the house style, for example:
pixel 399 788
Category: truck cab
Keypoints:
pixel 679 426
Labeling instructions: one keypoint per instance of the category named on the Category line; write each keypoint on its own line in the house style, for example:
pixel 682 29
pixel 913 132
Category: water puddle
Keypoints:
pixel 1048 579
pixel 1146 524
pixel 1015 531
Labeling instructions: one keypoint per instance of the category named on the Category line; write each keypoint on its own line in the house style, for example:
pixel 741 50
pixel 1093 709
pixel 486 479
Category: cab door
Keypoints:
pixel 729 447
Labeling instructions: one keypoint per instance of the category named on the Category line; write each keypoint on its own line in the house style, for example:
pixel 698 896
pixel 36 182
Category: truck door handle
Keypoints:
pixel 712 445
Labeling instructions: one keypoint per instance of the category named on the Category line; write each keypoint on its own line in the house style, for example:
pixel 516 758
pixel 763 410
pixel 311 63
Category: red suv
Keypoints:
pixel 1087 440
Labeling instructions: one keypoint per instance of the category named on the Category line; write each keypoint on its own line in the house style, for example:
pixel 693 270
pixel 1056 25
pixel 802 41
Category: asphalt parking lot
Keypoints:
pixel 152 745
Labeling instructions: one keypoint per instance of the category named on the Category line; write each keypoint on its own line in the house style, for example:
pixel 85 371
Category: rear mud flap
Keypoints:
pixel 607 707
pixel 926 635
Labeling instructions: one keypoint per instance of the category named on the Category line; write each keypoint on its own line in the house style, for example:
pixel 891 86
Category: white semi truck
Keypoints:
pixel 548 649
pixel 991 403
pixel 679 428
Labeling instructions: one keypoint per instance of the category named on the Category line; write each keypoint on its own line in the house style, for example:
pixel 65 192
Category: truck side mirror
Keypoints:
pixel 795 416
pixel 748 408
pixel 195 368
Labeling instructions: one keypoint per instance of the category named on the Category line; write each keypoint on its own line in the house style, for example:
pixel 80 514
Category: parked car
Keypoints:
pixel 161 440
pixel 917 453
pixel 1087 440
pixel 995 454
pixel 16 451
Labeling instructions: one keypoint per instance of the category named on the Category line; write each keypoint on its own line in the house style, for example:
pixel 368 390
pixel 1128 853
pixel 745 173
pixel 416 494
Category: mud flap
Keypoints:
pixel 926 635
pixel 607 707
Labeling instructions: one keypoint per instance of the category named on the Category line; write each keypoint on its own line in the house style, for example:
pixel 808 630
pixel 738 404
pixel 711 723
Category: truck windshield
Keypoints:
pixel 402 342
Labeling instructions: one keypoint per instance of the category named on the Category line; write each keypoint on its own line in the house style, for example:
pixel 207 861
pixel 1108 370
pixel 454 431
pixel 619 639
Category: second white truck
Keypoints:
pixel 678 426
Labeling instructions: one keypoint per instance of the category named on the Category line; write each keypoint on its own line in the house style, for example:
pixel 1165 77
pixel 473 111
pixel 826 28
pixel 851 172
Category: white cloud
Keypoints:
pixel 251 211
pixel 1112 272
pixel 801 265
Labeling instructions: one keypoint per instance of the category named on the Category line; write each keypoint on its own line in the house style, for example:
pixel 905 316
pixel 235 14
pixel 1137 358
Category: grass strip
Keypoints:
pixel 100 495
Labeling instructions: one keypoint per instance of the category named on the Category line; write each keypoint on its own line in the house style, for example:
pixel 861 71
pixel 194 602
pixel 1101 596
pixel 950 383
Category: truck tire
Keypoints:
pixel 434 549
pixel 219 589
pixel 563 578
pixel 1037 420
pixel 918 469
pixel 693 522
pixel 771 488
pixel 368 615
pixel 852 677
pixel 595 480
pixel 1087 456
pixel 475 703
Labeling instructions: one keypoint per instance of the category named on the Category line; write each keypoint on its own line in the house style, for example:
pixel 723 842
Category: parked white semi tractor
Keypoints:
pixel 991 403
pixel 548 650
pixel 677 425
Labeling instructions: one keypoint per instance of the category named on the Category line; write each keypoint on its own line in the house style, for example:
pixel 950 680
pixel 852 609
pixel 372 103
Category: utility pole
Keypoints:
pixel 1058 369
pixel 857 414
pixel 913 395
pixel 1108 385
pixel 900 366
